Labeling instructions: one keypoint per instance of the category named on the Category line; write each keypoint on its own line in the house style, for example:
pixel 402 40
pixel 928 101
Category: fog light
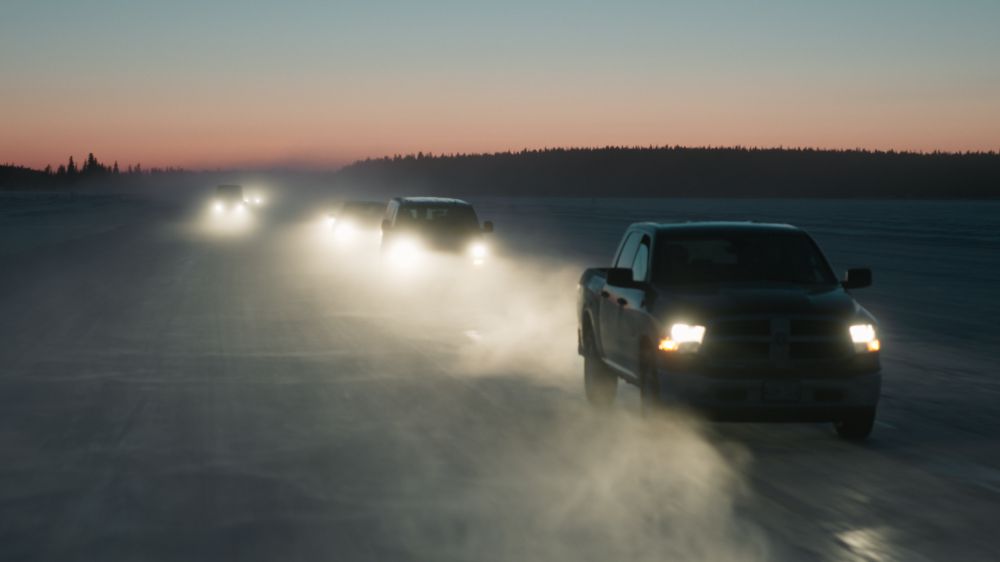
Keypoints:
pixel 667 344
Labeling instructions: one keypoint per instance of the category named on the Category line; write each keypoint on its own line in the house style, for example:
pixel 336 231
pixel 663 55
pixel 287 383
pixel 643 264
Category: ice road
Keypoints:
pixel 173 388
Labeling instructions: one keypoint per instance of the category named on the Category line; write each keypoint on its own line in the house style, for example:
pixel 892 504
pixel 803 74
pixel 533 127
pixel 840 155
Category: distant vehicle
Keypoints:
pixel 229 199
pixel 355 221
pixel 743 321
pixel 414 226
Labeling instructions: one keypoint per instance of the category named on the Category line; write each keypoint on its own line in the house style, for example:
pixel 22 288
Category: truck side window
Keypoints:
pixel 641 263
pixel 627 253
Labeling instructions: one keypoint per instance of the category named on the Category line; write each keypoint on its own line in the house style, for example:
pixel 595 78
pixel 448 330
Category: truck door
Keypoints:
pixel 390 217
pixel 633 309
pixel 611 309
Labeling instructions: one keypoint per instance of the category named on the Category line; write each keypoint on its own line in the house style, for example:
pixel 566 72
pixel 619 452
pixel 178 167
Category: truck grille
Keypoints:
pixel 738 350
pixel 777 341
pixel 819 351
pixel 741 327
pixel 820 327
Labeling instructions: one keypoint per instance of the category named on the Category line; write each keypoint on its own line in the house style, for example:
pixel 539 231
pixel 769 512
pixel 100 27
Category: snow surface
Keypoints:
pixel 176 388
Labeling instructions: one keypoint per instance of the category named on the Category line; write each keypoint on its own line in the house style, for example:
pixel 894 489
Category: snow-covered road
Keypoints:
pixel 170 390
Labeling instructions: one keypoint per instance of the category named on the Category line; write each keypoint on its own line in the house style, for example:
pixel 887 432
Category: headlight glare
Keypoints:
pixel 683 337
pixel 864 337
pixel 344 231
pixel 403 252
pixel 478 251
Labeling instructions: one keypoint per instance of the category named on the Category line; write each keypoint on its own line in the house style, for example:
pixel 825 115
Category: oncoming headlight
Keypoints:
pixel 865 338
pixel 478 251
pixel 344 231
pixel 683 337
pixel 403 252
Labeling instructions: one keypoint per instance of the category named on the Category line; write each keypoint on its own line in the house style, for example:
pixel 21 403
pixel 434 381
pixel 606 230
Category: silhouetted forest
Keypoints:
pixel 688 172
pixel 617 171
pixel 71 174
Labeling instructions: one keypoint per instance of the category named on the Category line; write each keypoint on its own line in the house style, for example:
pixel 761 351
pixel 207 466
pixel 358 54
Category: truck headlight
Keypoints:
pixel 865 338
pixel 683 337
pixel 404 252
pixel 478 252
pixel 344 231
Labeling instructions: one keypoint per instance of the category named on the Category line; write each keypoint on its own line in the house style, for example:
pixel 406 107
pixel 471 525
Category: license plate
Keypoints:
pixel 782 391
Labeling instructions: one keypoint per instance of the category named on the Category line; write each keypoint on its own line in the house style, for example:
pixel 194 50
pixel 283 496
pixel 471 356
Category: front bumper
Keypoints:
pixel 826 393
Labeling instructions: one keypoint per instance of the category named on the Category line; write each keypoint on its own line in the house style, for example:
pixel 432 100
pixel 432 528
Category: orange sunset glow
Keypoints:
pixel 276 88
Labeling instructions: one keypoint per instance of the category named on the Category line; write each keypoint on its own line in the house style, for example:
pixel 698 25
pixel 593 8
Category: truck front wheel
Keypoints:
pixel 856 427
pixel 599 383
pixel 650 401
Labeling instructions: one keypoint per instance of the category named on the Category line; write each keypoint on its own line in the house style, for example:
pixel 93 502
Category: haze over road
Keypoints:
pixel 172 391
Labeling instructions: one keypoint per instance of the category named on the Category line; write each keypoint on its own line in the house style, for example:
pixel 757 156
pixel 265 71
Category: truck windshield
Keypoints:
pixel 229 192
pixel 735 257
pixel 438 217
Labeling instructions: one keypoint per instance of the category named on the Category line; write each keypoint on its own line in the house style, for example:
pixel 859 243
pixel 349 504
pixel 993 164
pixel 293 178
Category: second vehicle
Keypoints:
pixel 416 226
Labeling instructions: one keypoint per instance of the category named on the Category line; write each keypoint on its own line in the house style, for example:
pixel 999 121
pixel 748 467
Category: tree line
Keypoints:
pixel 676 171
pixel 72 174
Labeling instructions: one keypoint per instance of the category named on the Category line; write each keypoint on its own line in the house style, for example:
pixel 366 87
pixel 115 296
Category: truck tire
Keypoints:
pixel 600 383
pixel 856 427
pixel 650 401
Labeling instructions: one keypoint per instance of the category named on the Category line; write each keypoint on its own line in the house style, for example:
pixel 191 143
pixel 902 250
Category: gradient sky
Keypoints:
pixel 219 83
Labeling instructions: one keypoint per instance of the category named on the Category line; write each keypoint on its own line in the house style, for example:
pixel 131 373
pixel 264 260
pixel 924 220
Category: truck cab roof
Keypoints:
pixel 229 192
pixel 713 226
pixel 431 201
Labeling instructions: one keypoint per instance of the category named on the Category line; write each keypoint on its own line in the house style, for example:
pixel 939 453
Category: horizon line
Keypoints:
pixel 306 165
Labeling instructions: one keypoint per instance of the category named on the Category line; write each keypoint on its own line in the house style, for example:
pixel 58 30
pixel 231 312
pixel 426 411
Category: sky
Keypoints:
pixel 221 84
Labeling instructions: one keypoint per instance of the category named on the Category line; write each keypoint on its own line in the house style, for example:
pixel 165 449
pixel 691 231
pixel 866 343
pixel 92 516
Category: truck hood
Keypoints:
pixel 716 301
pixel 447 241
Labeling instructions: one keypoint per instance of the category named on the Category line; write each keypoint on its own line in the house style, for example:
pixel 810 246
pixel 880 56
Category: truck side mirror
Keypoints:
pixel 620 277
pixel 386 225
pixel 857 278
pixel 487 226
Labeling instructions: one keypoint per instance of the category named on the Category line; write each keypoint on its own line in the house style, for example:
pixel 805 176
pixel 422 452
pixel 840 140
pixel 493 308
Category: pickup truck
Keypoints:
pixel 357 221
pixel 229 198
pixel 742 321
pixel 420 226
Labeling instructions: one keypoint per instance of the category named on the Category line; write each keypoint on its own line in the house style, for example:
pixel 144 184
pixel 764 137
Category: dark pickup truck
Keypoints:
pixel 743 321
pixel 415 226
